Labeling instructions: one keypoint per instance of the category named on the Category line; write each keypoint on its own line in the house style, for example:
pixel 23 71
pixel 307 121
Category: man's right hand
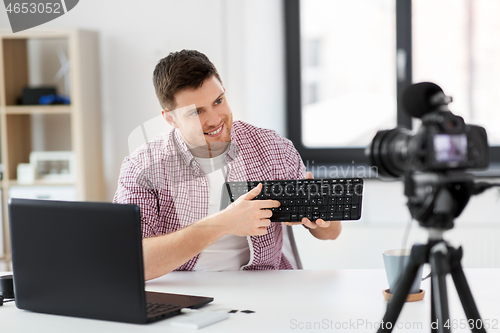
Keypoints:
pixel 244 217
pixel 247 217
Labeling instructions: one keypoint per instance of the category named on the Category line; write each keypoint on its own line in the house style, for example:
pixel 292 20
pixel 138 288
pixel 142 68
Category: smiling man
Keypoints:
pixel 177 179
pixel 210 137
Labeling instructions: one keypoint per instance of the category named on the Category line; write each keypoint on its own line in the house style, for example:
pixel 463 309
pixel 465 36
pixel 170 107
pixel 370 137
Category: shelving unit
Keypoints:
pixel 82 116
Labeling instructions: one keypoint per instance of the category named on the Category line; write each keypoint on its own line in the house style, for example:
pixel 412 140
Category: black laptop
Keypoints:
pixel 84 259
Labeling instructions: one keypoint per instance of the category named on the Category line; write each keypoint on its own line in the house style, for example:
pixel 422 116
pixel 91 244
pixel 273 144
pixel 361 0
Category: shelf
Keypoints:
pixel 41 183
pixel 37 109
pixel 7 34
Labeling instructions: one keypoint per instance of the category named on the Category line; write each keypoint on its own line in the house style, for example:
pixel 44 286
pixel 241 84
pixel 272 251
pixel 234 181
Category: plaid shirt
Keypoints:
pixel 164 179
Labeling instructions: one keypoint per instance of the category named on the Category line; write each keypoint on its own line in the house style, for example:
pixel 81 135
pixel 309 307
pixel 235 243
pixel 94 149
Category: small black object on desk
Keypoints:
pixel 6 288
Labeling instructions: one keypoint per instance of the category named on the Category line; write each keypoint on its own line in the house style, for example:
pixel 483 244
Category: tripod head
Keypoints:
pixel 436 199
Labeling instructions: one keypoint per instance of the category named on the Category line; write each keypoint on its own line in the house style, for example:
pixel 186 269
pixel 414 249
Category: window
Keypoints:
pixel 347 71
pixel 348 61
pixel 456 46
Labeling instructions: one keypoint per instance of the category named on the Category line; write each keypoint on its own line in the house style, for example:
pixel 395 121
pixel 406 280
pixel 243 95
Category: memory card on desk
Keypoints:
pixel 198 319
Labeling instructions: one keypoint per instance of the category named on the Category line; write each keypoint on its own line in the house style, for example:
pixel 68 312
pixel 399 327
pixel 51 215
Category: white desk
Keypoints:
pixel 283 301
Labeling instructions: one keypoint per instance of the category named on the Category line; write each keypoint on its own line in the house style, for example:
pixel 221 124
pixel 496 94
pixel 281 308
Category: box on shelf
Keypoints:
pixel 54 166
pixel 25 173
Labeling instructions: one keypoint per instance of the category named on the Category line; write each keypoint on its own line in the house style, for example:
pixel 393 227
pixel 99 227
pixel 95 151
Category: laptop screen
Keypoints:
pixel 78 258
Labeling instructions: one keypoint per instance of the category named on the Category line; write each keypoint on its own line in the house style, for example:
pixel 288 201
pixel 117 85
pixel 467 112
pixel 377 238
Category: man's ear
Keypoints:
pixel 169 117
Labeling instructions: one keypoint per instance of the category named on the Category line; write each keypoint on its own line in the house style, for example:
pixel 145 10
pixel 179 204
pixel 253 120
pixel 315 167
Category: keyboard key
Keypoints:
pixel 281 217
pixel 338 189
pixel 355 199
pixel 358 189
pixel 153 308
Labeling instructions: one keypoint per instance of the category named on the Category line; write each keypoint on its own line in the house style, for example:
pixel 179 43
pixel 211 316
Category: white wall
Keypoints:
pixel 244 38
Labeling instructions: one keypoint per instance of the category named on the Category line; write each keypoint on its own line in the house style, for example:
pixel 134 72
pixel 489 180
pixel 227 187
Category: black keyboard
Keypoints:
pixel 153 308
pixel 326 199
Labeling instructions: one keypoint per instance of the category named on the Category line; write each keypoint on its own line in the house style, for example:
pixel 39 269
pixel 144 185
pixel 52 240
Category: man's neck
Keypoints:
pixel 209 151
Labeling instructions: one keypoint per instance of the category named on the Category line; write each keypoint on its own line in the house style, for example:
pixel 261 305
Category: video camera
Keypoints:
pixel 431 163
pixel 443 142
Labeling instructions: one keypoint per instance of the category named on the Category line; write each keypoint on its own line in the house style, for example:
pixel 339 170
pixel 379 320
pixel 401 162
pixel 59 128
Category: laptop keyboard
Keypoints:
pixel 153 308
pixel 327 199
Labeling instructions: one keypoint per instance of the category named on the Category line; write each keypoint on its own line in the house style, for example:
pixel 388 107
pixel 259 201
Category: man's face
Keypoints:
pixel 203 118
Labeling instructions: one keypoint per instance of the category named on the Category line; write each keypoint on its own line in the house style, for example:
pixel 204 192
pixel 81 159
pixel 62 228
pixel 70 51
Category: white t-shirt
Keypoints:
pixel 228 252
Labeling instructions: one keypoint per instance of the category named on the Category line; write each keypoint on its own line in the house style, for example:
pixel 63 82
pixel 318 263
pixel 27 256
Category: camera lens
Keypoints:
pixel 444 141
pixel 388 151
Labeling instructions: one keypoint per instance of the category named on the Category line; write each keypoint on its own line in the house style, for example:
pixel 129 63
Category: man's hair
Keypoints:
pixel 180 70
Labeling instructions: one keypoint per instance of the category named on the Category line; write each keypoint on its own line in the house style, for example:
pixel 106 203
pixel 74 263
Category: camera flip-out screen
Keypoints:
pixel 450 147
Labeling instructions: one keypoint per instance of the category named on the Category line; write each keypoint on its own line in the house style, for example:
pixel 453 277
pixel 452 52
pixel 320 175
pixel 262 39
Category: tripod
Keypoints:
pixel 434 200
